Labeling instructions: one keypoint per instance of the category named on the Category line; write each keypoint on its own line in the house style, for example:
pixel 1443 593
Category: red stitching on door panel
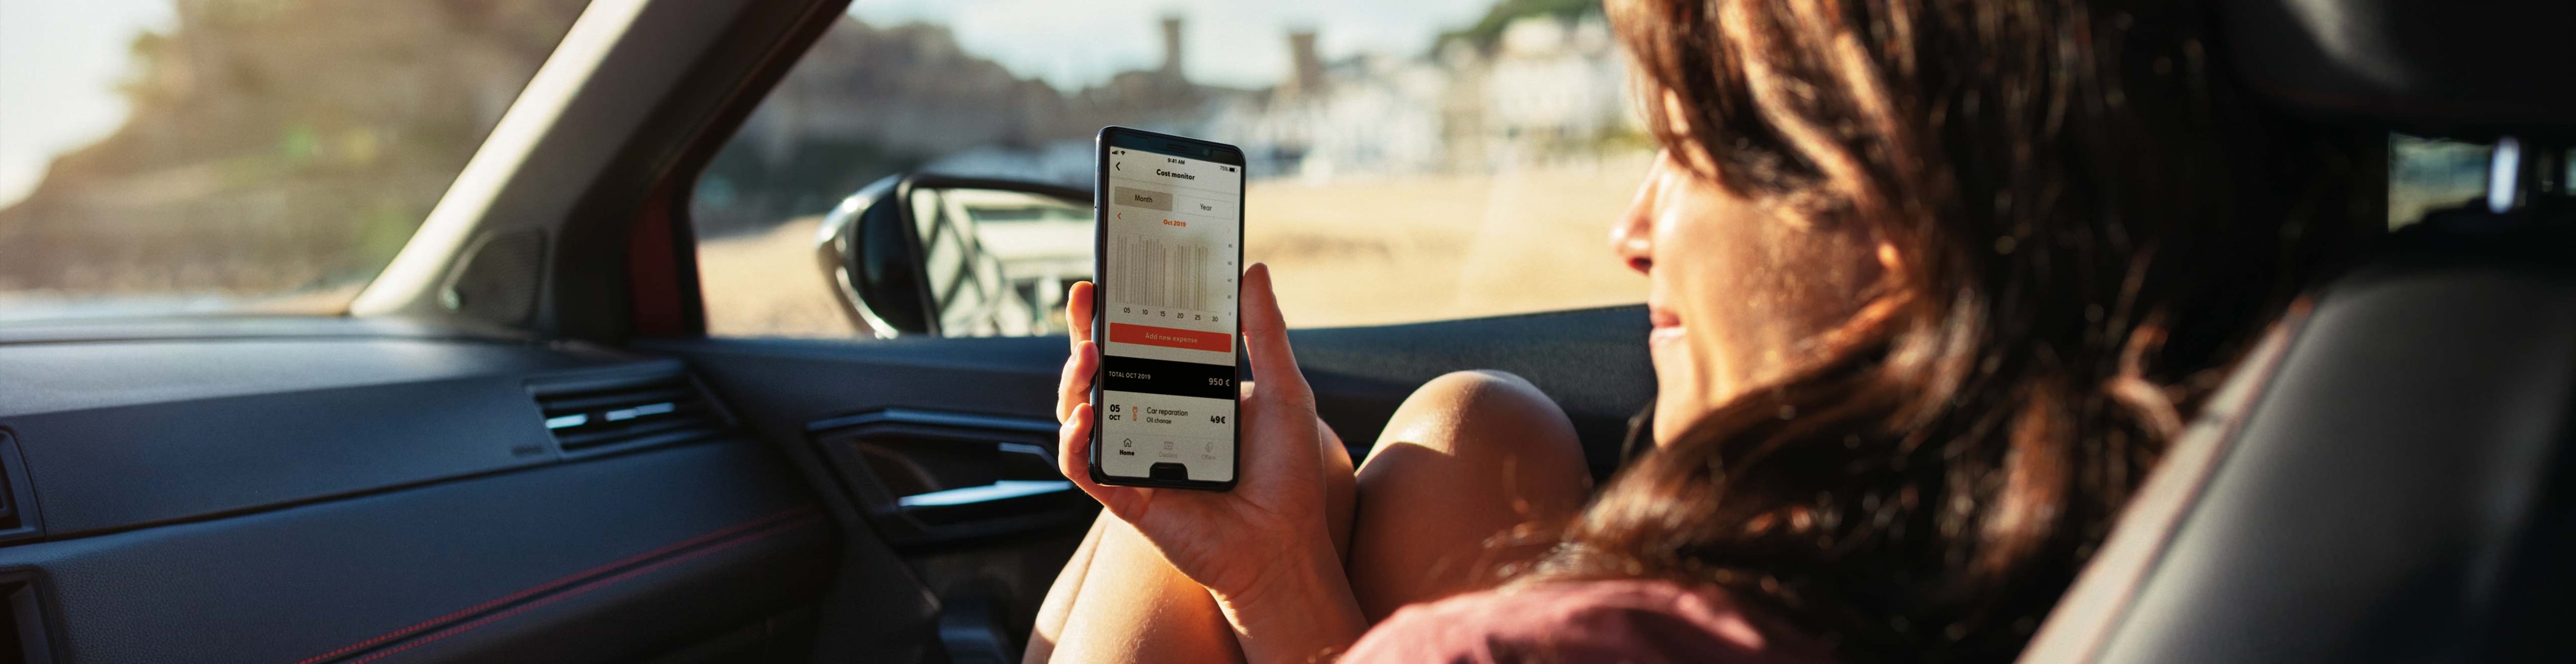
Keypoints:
pixel 586 587
pixel 559 583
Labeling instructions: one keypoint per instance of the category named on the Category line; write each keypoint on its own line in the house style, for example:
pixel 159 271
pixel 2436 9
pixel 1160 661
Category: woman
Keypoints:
pixel 1933 283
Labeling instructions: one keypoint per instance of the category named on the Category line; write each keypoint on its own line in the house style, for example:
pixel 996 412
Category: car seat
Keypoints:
pixel 2388 477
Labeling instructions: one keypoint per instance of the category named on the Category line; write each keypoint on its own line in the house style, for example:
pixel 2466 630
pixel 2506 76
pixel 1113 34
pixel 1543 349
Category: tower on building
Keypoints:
pixel 1306 73
pixel 1172 47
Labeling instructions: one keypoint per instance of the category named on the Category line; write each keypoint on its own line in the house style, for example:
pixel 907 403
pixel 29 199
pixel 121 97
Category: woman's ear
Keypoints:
pixel 1888 260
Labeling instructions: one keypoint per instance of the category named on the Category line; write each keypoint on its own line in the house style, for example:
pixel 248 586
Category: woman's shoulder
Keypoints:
pixel 1628 620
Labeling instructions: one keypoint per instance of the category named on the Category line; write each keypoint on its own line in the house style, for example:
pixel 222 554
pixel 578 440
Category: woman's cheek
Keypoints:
pixel 1689 382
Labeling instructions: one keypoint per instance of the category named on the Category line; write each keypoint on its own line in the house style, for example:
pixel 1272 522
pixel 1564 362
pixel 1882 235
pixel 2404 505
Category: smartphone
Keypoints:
pixel 1168 252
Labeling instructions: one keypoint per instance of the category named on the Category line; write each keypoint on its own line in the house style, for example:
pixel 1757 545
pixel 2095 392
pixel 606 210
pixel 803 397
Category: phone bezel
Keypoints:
pixel 1181 146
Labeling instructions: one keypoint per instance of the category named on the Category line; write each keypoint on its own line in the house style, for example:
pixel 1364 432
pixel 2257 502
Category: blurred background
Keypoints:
pixel 1413 162
pixel 1410 161
pixel 217 155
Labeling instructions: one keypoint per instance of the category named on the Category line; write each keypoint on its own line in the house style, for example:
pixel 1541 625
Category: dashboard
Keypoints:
pixel 334 490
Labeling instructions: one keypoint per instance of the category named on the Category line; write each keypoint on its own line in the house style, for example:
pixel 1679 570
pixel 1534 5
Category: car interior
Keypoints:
pixel 523 445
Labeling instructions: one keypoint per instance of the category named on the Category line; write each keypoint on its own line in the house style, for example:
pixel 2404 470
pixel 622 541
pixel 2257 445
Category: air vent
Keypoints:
pixel 626 411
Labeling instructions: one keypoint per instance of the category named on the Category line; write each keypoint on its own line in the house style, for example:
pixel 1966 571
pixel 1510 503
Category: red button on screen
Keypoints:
pixel 1170 338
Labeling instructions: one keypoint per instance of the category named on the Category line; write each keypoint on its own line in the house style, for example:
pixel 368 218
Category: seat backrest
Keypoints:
pixel 2471 69
pixel 2390 477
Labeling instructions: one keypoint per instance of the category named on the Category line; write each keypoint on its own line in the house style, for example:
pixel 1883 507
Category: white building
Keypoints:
pixel 1550 90
pixel 1554 88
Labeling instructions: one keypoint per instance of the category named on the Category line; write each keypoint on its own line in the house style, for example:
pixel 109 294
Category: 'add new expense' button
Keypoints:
pixel 1171 338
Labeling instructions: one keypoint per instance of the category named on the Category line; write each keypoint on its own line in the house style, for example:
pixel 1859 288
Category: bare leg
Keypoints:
pixel 1059 598
pixel 1118 601
pixel 1477 471
pixel 1133 607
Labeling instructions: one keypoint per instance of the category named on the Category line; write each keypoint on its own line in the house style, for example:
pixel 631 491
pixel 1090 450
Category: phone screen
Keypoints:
pixel 1172 234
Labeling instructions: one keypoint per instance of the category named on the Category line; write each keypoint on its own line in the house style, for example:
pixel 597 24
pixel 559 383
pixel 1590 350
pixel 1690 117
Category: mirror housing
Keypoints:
pixel 907 255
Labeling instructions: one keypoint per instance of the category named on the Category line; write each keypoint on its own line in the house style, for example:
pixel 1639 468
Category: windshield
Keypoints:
pixel 238 156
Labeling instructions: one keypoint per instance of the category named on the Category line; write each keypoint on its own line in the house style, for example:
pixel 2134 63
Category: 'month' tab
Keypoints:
pixel 1144 198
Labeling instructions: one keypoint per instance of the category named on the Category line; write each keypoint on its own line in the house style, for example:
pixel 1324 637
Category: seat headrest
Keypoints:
pixel 2468 69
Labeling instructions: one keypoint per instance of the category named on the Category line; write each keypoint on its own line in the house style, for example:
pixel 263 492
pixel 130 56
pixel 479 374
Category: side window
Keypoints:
pixel 2426 174
pixel 1453 160
pixel 2429 174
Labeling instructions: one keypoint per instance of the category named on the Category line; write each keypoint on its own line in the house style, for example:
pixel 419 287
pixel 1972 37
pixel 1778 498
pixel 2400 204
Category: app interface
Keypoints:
pixel 1168 302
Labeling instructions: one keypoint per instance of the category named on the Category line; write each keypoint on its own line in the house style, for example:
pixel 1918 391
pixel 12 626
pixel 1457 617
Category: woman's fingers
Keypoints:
pixel 1073 449
pixel 1265 334
pixel 1282 405
pixel 1077 312
pixel 1074 387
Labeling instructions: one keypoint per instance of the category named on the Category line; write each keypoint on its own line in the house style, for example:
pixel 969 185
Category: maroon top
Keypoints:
pixel 1589 621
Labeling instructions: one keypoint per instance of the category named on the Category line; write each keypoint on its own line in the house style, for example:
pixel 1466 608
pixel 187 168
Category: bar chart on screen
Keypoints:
pixel 1163 273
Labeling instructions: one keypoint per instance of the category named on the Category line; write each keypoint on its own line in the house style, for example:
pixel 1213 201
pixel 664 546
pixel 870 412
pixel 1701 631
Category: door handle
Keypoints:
pixel 999 490
pixel 929 476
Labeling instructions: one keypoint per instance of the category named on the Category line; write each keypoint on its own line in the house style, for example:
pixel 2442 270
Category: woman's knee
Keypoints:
pixel 1483 415
pixel 1471 473
pixel 1471 429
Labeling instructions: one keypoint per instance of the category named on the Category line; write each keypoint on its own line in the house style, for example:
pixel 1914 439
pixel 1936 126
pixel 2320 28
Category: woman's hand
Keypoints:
pixel 1263 550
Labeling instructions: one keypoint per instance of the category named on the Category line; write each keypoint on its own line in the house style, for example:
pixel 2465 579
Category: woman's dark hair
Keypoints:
pixel 2091 221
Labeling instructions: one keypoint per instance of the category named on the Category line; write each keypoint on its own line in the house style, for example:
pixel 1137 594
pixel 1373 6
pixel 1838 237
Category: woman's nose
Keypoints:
pixel 1632 235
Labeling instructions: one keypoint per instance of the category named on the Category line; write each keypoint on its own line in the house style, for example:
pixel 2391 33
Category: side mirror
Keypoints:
pixel 918 254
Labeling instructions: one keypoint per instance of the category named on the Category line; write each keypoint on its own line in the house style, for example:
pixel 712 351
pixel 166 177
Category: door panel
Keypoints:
pixel 1591 361
pixel 807 396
